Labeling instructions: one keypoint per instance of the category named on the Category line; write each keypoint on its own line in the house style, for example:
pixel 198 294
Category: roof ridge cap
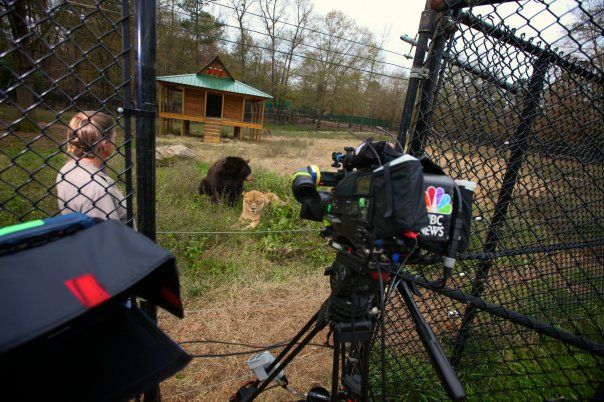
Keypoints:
pixel 175 75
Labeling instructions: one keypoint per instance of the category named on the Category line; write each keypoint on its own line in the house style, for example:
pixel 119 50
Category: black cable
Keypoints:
pixel 299 43
pixel 389 134
pixel 396 278
pixel 313 30
pixel 366 141
pixel 254 348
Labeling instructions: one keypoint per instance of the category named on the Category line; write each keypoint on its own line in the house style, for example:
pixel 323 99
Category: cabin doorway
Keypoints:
pixel 214 105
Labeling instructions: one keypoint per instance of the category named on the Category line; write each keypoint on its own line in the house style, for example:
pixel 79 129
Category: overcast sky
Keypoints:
pixel 395 17
pixel 392 18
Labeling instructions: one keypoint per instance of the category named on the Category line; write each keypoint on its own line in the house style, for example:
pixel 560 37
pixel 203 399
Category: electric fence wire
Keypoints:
pixel 313 30
pixel 298 42
pixel 347 66
pixel 239 232
pixel 244 306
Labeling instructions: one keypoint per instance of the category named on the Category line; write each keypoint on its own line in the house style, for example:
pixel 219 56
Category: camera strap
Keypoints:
pixel 389 207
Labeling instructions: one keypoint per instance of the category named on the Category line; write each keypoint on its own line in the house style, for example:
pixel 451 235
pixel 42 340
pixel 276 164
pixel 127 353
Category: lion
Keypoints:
pixel 253 204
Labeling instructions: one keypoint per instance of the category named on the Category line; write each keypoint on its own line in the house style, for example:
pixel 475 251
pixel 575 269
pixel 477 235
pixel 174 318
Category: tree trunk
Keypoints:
pixel 18 26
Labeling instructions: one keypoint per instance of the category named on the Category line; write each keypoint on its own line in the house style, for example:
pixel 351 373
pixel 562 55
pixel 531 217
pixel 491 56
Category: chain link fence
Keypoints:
pixel 512 98
pixel 64 72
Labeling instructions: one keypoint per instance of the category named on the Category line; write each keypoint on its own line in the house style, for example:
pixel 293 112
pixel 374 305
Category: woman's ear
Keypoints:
pixel 107 147
pixel 243 192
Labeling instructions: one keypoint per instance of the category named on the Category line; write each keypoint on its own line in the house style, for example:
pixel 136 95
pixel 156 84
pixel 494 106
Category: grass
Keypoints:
pixel 210 260
pixel 500 364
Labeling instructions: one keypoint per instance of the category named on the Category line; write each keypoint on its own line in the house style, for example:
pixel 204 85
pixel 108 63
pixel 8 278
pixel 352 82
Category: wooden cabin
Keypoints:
pixel 213 97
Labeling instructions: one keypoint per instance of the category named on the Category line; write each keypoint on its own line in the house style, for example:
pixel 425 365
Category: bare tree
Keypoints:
pixel 273 11
pixel 295 38
pixel 586 32
pixel 334 56
pixel 20 32
pixel 241 7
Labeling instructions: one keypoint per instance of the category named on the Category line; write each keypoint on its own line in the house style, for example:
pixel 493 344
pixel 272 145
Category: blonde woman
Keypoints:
pixel 82 185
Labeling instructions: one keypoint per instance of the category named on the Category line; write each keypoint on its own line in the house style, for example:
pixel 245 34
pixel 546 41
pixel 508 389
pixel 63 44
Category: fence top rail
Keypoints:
pixel 482 73
pixel 443 5
pixel 507 36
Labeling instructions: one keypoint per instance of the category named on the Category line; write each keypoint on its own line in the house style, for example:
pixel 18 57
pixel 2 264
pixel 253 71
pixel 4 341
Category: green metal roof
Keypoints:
pixel 218 84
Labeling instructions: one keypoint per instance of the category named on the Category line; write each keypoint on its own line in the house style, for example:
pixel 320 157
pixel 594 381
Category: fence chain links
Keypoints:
pixel 518 108
pixel 63 145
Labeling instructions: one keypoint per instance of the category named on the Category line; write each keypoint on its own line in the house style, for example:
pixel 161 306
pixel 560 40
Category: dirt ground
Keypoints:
pixel 269 314
pixel 283 155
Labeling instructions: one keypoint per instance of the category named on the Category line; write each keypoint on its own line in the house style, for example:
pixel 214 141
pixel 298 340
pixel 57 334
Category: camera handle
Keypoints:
pixel 451 255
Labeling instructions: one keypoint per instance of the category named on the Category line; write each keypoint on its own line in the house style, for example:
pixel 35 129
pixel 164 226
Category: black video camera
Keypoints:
pixel 382 200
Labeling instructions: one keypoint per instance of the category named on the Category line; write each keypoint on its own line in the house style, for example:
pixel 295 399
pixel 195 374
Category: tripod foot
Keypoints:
pixel 246 392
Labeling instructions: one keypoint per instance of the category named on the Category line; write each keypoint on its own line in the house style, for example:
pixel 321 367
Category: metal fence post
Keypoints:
pixel 126 74
pixel 145 116
pixel 426 103
pixel 426 27
pixel 145 135
pixel 527 116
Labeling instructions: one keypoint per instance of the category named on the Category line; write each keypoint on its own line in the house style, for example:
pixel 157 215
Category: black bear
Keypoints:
pixel 225 179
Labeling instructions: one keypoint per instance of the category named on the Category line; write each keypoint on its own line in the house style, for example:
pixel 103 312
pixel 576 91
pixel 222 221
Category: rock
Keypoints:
pixel 170 151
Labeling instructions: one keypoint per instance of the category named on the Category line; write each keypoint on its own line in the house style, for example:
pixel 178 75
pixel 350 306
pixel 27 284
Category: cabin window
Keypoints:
pixel 172 100
pixel 253 110
pixel 214 105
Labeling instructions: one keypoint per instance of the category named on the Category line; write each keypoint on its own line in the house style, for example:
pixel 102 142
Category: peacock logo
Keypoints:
pixel 437 201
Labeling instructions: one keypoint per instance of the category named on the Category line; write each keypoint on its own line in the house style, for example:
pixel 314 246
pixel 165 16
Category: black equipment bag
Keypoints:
pixel 398 192
pixel 67 332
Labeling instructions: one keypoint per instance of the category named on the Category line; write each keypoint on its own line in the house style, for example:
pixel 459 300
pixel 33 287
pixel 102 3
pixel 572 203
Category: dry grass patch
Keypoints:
pixel 281 155
pixel 259 314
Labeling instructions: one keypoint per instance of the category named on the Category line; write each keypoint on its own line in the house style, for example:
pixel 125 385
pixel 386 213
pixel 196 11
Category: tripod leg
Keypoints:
pixel 441 364
pixel 287 359
pixel 336 365
pixel 365 370
pixel 294 341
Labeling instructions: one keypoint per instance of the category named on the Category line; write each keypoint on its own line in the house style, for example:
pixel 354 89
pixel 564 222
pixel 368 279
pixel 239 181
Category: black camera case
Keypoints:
pixel 398 192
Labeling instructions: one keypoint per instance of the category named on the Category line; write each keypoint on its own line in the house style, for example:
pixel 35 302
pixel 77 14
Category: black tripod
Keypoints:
pixel 350 323
pixel 352 317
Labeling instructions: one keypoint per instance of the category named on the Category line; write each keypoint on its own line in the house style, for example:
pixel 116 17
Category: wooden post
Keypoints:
pixel 243 110
pixel 261 121
pixel 159 96
pixel 184 97
pixel 159 109
pixel 205 103
pixel 237 132
pixel 222 108
pixel 182 128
